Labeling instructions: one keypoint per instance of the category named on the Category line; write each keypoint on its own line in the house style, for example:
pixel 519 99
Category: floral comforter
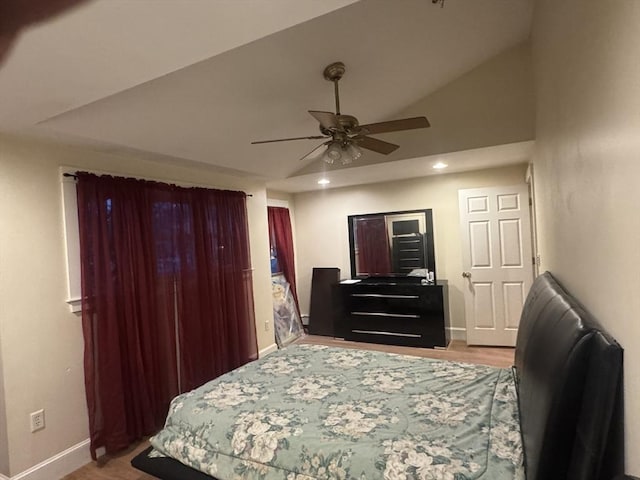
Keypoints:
pixel 314 412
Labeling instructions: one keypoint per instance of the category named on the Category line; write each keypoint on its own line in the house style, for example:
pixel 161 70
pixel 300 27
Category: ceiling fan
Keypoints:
pixel 345 136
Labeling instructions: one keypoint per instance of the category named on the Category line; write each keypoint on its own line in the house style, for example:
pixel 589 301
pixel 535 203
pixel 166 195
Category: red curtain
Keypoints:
pixel 149 253
pixel 281 238
pixel 215 300
pixel 373 246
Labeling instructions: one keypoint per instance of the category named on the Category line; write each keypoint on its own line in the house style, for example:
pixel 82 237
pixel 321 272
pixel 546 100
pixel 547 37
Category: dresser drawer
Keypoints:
pixel 392 313
pixel 386 303
pixel 395 330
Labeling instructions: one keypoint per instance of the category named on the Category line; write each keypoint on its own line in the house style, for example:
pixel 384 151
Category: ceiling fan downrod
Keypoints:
pixel 334 73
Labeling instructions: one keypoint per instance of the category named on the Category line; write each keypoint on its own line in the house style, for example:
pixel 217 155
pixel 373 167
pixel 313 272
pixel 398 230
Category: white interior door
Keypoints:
pixel 497 261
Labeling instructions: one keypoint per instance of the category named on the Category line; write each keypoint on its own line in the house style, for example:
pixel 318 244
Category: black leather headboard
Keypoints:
pixel 568 373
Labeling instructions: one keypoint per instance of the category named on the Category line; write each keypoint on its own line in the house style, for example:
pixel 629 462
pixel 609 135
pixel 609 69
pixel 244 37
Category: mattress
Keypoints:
pixel 309 412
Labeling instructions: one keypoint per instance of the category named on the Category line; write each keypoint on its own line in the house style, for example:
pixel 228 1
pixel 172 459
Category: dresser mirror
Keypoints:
pixel 392 244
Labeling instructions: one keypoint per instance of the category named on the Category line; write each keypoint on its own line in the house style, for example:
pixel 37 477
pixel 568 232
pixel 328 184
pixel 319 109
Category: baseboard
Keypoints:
pixel 457 333
pixel 57 466
pixel 266 351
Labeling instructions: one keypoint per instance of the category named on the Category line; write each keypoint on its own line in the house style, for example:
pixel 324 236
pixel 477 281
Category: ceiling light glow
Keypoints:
pixel 324 181
pixel 440 165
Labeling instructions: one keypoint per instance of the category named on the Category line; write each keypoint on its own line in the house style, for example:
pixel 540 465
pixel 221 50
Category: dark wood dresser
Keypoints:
pixel 392 310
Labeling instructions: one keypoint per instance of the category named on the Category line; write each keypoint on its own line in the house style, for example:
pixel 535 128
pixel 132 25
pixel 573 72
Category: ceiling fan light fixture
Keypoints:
pixel 353 153
pixel 333 153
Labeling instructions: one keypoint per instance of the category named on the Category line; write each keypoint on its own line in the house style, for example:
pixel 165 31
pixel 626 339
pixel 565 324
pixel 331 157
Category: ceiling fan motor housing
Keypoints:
pixel 346 124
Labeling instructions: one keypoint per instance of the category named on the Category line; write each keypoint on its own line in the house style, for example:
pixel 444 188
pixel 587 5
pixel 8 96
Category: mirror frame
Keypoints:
pixel 429 249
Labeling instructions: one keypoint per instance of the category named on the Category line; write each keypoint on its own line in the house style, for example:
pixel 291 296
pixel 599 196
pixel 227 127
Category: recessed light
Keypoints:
pixel 440 165
pixel 324 181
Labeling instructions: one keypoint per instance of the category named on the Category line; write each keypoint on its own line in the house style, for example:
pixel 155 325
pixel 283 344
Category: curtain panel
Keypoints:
pixel 282 239
pixel 167 298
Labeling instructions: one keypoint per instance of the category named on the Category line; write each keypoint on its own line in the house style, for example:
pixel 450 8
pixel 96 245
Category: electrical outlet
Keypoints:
pixel 37 420
pixel 266 325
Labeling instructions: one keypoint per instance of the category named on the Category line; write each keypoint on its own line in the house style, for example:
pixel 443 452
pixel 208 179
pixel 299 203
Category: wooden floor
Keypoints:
pixel 118 467
pixel 457 351
pixel 115 467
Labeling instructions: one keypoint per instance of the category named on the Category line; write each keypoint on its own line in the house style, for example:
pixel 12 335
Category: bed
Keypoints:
pixel 313 412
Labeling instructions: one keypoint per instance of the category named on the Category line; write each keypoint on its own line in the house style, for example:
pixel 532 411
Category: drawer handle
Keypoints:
pixel 382 314
pixel 375 332
pixel 382 295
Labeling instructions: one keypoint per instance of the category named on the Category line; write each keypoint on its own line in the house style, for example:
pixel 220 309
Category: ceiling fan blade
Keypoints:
pixel 316 152
pixel 314 137
pixel 374 144
pixel 396 125
pixel 327 120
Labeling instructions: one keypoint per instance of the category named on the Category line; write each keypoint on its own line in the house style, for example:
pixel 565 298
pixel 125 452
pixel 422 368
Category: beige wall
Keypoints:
pixel 587 165
pixel 40 340
pixel 279 196
pixel 321 223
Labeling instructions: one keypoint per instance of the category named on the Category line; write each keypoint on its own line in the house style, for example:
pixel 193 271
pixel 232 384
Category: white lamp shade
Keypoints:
pixel 333 153
pixel 353 153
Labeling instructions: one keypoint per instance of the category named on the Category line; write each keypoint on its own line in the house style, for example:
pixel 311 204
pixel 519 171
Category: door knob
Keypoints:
pixel 466 274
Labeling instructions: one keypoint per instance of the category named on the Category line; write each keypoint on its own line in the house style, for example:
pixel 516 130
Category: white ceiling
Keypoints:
pixel 197 81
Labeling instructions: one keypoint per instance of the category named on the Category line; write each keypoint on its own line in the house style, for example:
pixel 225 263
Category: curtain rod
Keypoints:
pixel 75 177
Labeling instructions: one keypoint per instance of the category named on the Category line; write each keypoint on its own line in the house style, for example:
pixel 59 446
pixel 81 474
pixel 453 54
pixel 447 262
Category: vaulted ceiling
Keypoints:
pixel 197 81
